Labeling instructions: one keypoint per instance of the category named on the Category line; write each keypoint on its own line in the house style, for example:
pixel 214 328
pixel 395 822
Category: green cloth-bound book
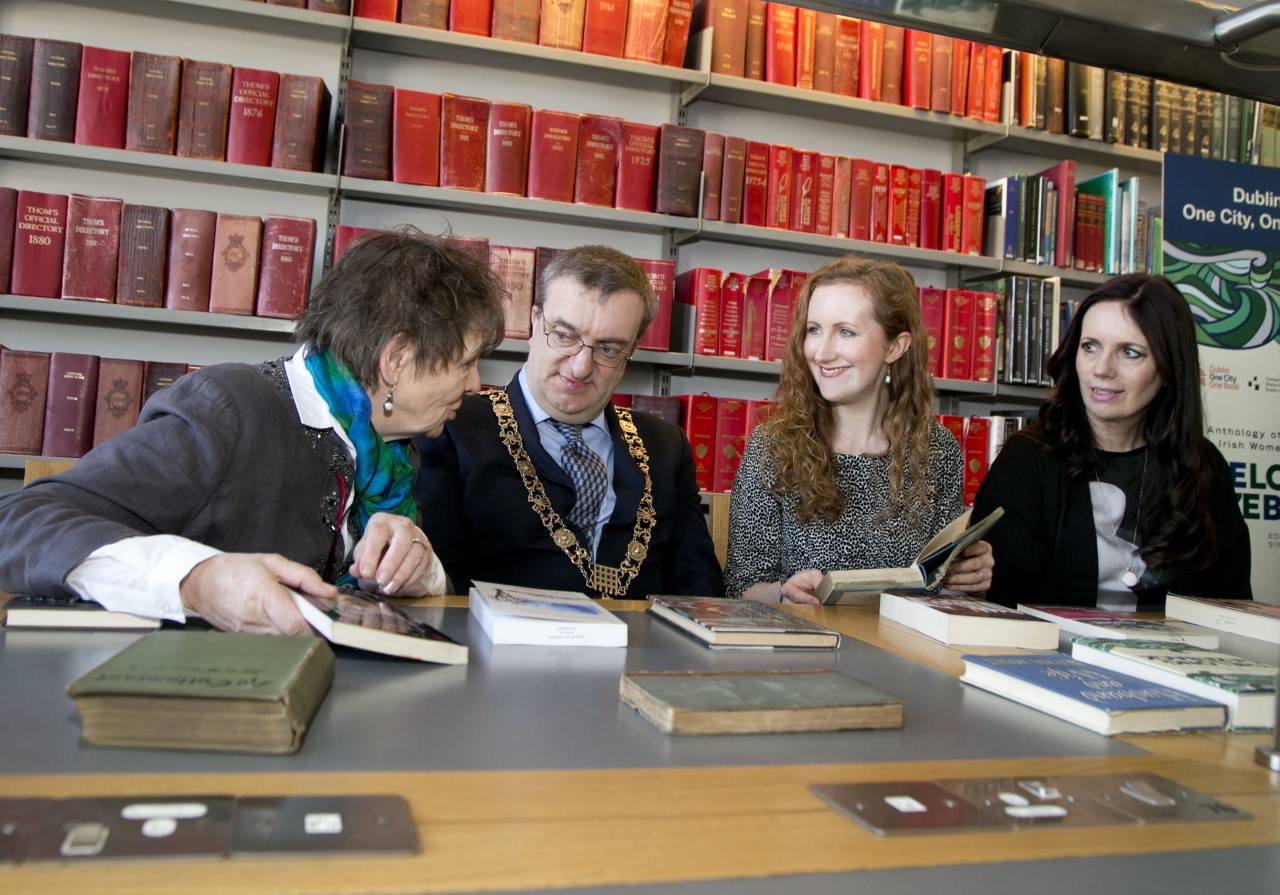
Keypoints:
pixel 205 690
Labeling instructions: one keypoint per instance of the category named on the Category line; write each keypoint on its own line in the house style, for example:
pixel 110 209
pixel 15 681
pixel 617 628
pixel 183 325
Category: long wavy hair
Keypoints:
pixel 799 430
pixel 1175 526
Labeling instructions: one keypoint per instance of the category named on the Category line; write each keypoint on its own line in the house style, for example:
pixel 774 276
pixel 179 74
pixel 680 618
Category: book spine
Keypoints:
pixel 700 289
pixel 899 175
pixel 299 139
pixel 157 375
pixel 423 13
pixel 985 336
pixel 826 194
pixel 917 69
pixel 676 42
pixel 69 405
pixel 848 45
pixel 824 52
pixel 415 149
pixel 382 10
pixel 55 88
pixel 103 98
pixel 803 215
pixel 251 120
pixel 561 24
pixel 237 249
pixel 960 51
pixel 870 60
pixel 755 316
pixel 154 87
pixel 757 36
pixel 778 207
pixel 366 122
pixel 92 248
pixel 941 52
pixel 805 48
pixel 662 276
pixel 976 435
pixel 782 291
pixel 515 267
pixel 993 84
pixel 553 155
pixel 731 437
pixel 930 208
pixel 971 215
pixel 712 175
pixel 933 316
pixel 507 156
pixel 680 151
pixel 604 28
pixel 732 179
pixel 646 30
pixel 204 101
pixel 755 184
pixel 892 56
pixel 728 21
pixel 780 44
pixel 40 224
pixel 958 325
pixel 637 167
pixel 119 397
pixel 599 143
pixel 472 17
pixel 860 190
pixel 516 20
pixel 284 281
pixel 24 387
pixel 144 249
pixel 842 197
pixel 700 428
pixel 16 54
pixel 342 235
pixel 880 202
pixel 190 263
pixel 8 213
pixel 729 339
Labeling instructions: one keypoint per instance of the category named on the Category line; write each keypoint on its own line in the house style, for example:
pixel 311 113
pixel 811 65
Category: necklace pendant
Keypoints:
pixel 1129 578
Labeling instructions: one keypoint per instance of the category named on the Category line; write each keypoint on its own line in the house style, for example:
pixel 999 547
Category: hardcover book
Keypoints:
pixel 699 288
pixel 515 20
pixel 383 10
pixel 847 62
pixel 755 185
pixel 720 622
pixel 70 612
pixel 1260 621
pixel 464 126
pixel 891 60
pixel 637 167
pixel 205 690
pixel 15 83
pixel 119 397
pixel 514 267
pixel 729 338
pixel 300 136
pixel 203 108
pixel 92 248
pixel 40 222
pixel 415 149
pixel 561 24
pixel 853 585
pixel 1105 702
pixel 604 28
pixel 662 275
pixel 24 386
pixel 69 404
pixel 533 616
pixel 778 197
pixel 731 438
pixel 780 22
pixel 157 375
pixel 732 179
pixel 803 215
pixel 237 243
pixel 824 52
pixel 368 622
pixel 251 120
pixel 757 37
pixel 553 155
pixel 727 20
pixel 646 30
pixel 599 141
pixel 1246 688
pixel 791 701
pixel 8 210
pixel 1089 621
pixel 507 160
pixel 699 424
pixel 423 13
pixel 284 279
pixel 712 175
pixel 472 17
pixel 366 121
pixel 676 42
pixel 190 260
pixel 154 88
pixel 969 622
pixel 144 249
pixel 55 89
pixel 680 151
pixel 103 98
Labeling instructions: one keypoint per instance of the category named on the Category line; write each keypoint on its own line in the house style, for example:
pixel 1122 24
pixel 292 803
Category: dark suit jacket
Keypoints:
pixel 477 511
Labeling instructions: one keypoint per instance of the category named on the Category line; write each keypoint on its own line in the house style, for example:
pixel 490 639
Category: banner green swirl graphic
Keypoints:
pixel 1234 294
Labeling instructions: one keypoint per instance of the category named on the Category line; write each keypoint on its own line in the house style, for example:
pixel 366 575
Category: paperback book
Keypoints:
pixel 532 616
pixel 70 612
pixel 366 621
pixel 721 623
pixel 1087 621
pixel 1261 621
pixel 969 622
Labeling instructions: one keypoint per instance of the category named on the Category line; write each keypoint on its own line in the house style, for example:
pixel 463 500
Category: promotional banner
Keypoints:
pixel 1222 250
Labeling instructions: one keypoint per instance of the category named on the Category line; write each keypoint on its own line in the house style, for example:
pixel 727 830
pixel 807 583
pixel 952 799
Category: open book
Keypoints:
pixel 369 622
pixel 863 586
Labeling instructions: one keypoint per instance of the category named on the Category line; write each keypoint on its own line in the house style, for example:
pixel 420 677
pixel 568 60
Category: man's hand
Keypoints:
pixel 397 555
pixel 244 592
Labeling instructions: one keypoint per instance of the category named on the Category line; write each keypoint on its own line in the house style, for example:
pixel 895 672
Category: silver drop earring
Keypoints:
pixel 888 374
pixel 389 404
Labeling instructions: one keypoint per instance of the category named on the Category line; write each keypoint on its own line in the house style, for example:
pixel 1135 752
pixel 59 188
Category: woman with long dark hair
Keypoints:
pixel 1113 497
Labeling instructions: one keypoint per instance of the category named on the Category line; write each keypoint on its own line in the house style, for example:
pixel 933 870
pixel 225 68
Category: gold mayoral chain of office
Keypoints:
pixel 608 581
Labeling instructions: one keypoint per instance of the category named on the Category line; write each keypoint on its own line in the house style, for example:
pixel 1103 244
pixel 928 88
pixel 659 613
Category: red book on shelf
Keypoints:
pixel 144 249
pixel 870 60
pixel 561 24
pixel 415 138
pixel 599 142
pixel 119 397
pixel 952 211
pixel 662 276
pixel 930 208
pixel 680 151
pixel 826 190
pixel 806 40
pixel 699 424
pixel 933 306
pixel 879 202
pixel 102 101
pixel 604 28
pixel 960 51
pixel 284 279
pixel 475 246
pixel 976 434
pixel 252 119
pixel 160 374
pixel 699 289
pixel 712 175
pixel 898 180
pixel 383 10
pixel 940 60
pixel 24 387
pixel 985 335
pixel 515 20
pixel 824 52
pixel 342 235
pixel 958 324
pixel 731 437
pixel 471 17
pixel 514 266
pixel 975 89
pixel 40 222
pixel 54 90
pixel 953 423
pixel 203 104
pixel 757 37
pixel 917 68
pixel 154 87
pixel 1063 177
pixel 8 208
pixel 755 184
pixel 464 126
pixel 915 180
pixel 15 84
pixel 637 167
pixel 667 407
pixel 803 215
pixel 860 191
pixel 780 44
pixel 892 56
pixel 190 263
pixel 542 256
pixel 646 30
pixel 676 43
pixel 758 410
pixel 367 122
pixel 782 291
pixel 778 206
pixel 302 124
pixel 731 179
pixel 553 155
pixel 423 13
pixel 507 162
pixel 848 46
pixel 237 246
pixel 69 404
pixel 841 196
pixel 729 341
pixel 971 215
pixel 727 20
pixel 92 248
pixel 755 315
pixel 993 84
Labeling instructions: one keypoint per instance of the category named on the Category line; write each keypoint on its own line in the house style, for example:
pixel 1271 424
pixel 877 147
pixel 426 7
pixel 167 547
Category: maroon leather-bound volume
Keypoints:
pixel 699 424
pixel 516 20
pixel 284 279
pixel 680 152
pixel 957 329
pixel 880 186
pixel 848 43
pixel 915 181
pixel 870 59
pixel 342 236
pixel 475 246
pixel 940 61
pixel 757 37
pixel 69 405
pixel 464 127
pixel 340 7
pixel 154 86
pixel 24 385
pixel 662 276
pixel 237 243
pixel 806 38
pixel 300 137
pixel 755 316
pixel 985 331
pixel 55 87
pixel 646 30
pixel 933 316
pixel 604 27
pixel 15 83
pixel 676 43
pixel 992 84
pixel 779 204
pixel 92 248
pixel 599 142
pixel 190 264
pixel 203 108
pixel 159 374
pixel 542 256
pixel 784 285
pixel 699 288
pixel 952 211
pixel 507 160
pixel 712 175
pixel 892 57
pixel 898 176
pixel 860 199
pixel 119 397
pixel 415 147
pixel 824 52
pixel 728 21
pixel 803 215
pixel 553 155
pixel 103 101
pixel 40 222
pixel 252 119
pixel 366 121
pixel 731 437
pixel 730 340
pixel 731 179
pixel 971 215
pixel 471 17
pixel 560 25
pixel 637 167
pixel 826 193
pixel 383 10
pixel 8 207
pixel 665 407
pixel 144 251
pixel 423 13
pixel 975 91
pixel 930 208
pixel 780 44
pixel 960 50
pixel 841 196
pixel 755 185
pixel 514 266
pixel 917 68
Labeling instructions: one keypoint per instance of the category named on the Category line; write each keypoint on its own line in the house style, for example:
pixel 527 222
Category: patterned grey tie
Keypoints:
pixel 589 477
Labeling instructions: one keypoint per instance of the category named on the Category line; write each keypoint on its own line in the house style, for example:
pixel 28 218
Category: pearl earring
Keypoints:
pixel 888 374
pixel 389 404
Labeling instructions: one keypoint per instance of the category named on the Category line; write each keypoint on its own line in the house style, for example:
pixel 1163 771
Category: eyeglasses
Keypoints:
pixel 603 353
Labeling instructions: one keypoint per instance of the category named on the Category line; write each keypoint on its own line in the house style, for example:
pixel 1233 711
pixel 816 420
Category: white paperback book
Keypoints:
pixel 525 615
